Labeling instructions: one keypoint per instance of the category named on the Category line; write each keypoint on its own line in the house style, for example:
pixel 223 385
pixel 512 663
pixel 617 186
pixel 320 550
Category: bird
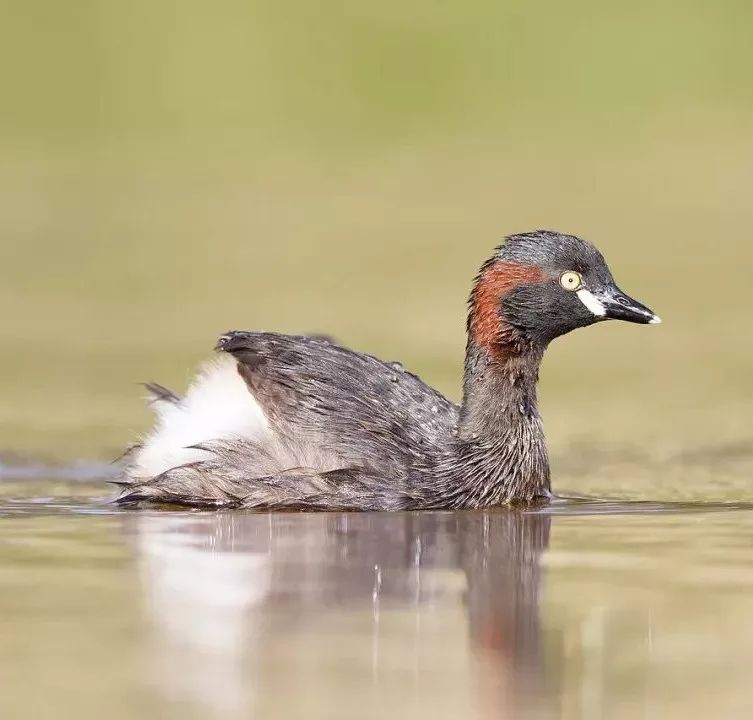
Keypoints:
pixel 296 422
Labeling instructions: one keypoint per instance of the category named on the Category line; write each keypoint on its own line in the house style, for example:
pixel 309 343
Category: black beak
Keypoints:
pixel 619 306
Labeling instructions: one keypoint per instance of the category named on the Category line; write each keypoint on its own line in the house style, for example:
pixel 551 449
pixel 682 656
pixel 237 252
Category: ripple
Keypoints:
pixel 580 505
pixel 82 470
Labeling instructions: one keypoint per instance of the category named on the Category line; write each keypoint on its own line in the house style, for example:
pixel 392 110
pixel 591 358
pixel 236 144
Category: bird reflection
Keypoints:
pixel 407 612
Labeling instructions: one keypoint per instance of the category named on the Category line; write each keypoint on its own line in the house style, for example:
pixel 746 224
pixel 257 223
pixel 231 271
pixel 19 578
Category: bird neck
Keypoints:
pixel 500 433
pixel 499 390
pixel 501 361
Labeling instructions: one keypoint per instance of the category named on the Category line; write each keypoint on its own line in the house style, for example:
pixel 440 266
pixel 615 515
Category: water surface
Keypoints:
pixel 587 609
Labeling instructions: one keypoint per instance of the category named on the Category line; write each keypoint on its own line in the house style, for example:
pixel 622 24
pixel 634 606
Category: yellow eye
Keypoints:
pixel 571 280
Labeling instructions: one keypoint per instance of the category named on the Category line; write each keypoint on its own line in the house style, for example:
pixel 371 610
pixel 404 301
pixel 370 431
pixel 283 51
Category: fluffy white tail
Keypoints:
pixel 217 406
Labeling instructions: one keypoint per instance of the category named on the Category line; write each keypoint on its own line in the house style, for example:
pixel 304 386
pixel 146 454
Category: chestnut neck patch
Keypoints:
pixel 485 326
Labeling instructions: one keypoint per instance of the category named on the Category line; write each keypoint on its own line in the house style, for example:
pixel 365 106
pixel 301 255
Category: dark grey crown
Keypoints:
pixel 554 252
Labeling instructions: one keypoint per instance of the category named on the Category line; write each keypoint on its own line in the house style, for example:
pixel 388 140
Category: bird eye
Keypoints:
pixel 571 280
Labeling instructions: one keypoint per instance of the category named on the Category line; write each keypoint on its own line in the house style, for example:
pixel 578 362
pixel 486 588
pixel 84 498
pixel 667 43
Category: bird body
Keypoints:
pixel 299 422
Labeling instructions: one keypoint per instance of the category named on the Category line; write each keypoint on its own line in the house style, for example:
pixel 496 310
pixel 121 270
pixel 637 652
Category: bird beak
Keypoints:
pixel 613 304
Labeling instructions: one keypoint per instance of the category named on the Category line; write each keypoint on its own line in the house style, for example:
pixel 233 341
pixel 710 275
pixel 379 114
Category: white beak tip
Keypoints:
pixel 656 320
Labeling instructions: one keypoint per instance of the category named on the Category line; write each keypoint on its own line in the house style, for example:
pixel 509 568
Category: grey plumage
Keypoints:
pixel 158 393
pixel 347 431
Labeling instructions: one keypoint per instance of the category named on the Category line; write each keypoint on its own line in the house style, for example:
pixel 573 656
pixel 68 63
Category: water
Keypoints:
pixel 586 609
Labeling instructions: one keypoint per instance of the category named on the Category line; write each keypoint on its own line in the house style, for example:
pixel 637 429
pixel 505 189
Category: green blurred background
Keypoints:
pixel 171 170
